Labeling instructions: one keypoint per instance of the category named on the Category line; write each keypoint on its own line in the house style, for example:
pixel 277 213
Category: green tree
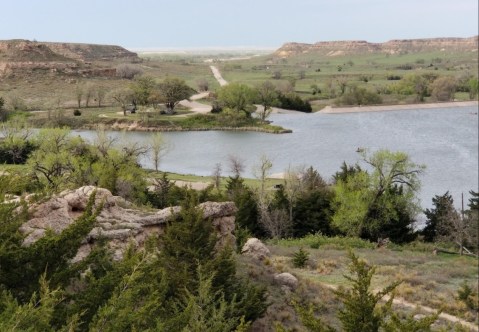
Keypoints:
pixel 473 88
pixel 267 97
pixel 171 91
pixel 361 311
pixel 443 88
pixel 442 205
pixel 142 88
pixel 238 97
pixel 380 204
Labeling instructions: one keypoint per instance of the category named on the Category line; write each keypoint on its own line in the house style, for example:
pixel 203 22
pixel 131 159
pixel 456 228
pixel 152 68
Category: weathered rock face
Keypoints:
pixel 336 48
pixel 256 249
pixel 22 56
pixel 118 221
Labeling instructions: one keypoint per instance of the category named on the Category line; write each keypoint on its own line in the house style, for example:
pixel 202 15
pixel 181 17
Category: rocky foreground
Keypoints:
pixel 119 221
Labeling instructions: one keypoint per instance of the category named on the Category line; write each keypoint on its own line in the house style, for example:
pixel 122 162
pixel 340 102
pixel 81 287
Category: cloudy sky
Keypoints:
pixel 229 23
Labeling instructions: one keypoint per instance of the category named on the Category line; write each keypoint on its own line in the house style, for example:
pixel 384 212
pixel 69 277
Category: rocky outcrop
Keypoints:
pixel 336 48
pixel 256 249
pixel 22 56
pixel 119 222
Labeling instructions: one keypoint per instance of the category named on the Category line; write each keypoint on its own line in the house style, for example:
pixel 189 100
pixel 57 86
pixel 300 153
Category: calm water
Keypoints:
pixel 445 140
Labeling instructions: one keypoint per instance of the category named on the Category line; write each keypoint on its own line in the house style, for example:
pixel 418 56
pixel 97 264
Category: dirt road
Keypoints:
pixel 217 75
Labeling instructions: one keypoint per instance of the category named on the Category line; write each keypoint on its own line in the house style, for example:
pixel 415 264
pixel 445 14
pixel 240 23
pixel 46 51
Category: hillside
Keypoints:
pixel 405 46
pixel 17 56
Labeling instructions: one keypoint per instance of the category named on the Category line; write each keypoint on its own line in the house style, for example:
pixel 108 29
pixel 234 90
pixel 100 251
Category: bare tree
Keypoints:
pixel 458 228
pixel 262 171
pixel 236 165
pixel 100 95
pixel 127 71
pixel 276 222
pixel 158 148
pixel 293 186
pixel 79 93
pixel 89 91
pixel 217 175
pixel 102 141
pixel 123 97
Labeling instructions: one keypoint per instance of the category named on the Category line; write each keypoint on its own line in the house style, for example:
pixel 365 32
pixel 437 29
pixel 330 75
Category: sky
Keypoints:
pixel 186 24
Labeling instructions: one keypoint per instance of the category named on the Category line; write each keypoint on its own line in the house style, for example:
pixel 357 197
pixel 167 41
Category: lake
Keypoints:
pixel 443 139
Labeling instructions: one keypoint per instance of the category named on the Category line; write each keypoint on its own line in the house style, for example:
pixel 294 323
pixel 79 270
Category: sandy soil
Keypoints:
pixel 382 108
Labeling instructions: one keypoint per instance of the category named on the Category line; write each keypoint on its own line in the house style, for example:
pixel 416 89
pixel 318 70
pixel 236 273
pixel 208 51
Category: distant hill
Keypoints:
pixel 24 55
pixel 337 48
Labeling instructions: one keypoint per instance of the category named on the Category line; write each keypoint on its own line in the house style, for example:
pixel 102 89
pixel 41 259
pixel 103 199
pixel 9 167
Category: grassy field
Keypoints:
pixel 427 279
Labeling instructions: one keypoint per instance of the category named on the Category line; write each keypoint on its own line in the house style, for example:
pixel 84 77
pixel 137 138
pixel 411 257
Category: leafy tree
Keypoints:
pixel 443 88
pixel 413 84
pixel 359 96
pixel 171 91
pixel 142 88
pixel 473 88
pixel 351 203
pixel 267 98
pixel 238 97
pixel 381 204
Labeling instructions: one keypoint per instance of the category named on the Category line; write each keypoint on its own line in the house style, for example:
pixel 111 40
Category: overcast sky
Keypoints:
pixel 228 23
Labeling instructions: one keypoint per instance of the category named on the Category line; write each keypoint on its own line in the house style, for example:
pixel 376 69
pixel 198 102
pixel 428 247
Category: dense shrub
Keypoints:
pixel 292 101
pixel 15 152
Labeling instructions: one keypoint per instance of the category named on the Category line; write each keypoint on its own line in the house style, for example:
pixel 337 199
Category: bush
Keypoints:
pixel 292 101
pixel 76 113
pixel 300 258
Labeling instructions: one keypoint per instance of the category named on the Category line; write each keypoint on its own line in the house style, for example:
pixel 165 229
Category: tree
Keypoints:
pixel 473 88
pixel 158 149
pixel 79 91
pixel 3 114
pixel 142 88
pixel 127 71
pixel 217 175
pixel 442 205
pixel 89 92
pixel 238 97
pixel 361 311
pixel 443 88
pixel 380 204
pixel 172 91
pixel 123 97
pixel 100 93
pixel 267 97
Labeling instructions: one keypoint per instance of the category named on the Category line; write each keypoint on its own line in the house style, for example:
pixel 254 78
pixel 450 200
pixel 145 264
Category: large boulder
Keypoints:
pixel 118 221
pixel 286 280
pixel 256 249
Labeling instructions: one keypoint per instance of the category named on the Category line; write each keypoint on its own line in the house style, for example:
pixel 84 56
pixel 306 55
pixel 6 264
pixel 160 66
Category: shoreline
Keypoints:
pixel 405 107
